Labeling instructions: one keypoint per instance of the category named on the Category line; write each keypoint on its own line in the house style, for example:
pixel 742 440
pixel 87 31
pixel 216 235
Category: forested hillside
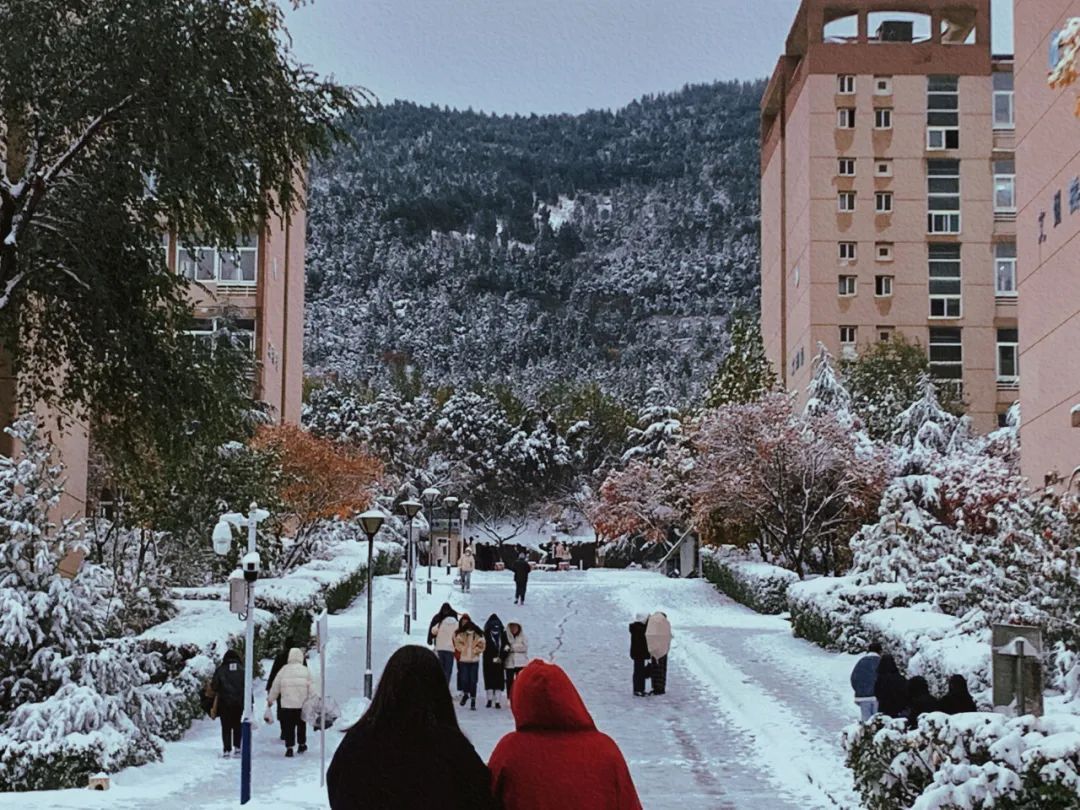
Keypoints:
pixel 467 248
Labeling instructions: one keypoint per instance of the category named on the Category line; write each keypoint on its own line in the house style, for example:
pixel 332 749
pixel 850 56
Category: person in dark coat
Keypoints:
pixel 228 686
pixel 639 653
pixel 521 578
pixel 407 752
pixel 891 688
pixel 494 672
pixel 444 612
pixel 863 680
pixel 920 701
pixel 958 699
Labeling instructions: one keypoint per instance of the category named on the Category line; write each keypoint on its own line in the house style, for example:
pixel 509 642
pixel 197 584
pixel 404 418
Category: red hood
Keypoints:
pixel 545 699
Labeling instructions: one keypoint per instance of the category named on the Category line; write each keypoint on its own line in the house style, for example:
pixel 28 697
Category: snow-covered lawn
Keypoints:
pixel 751 718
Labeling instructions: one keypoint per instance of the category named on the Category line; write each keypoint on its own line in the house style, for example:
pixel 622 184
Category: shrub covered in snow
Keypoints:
pixel 828 610
pixel 755 584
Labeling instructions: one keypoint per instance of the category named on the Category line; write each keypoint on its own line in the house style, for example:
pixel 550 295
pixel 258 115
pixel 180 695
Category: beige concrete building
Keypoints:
pixel 1048 157
pixel 887 193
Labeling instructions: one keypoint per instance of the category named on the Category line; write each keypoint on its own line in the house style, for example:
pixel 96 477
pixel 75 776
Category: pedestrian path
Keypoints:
pixel 751 718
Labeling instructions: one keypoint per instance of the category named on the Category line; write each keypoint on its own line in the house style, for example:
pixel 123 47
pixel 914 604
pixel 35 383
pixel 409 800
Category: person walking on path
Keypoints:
pixel 228 688
pixel 920 701
pixel 294 685
pixel 863 679
pixel 280 660
pixel 958 699
pixel 556 759
pixel 468 649
pixel 407 752
pixel 521 578
pixel 494 671
pixel 466 565
pixel 515 656
pixel 658 635
pixel 441 635
pixel 890 688
pixel 639 653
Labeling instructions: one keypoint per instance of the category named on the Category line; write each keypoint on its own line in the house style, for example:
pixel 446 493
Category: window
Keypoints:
pixel 883 118
pixel 882 85
pixel 845 201
pixel 846 286
pixel 845 118
pixel 883 251
pixel 882 167
pixel 1004 112
pixel 885 333
pixel 848 335
pixel 943 196
pixel 235 266
pixel 240 332
pixel 946 354
pixel 847 251
pixel 1005 269
pixel 883 286
pixel 883 202
pixel 845 167
pixel 845 84
pixel 945 281
pixel 942 112
pixel 1005 186
pixel 1008 356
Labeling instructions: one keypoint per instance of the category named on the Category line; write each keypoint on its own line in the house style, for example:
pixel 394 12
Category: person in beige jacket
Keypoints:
pixel 658 636
pixel 468 649
pixel 515 655
pixel 466 565
pixel 294 685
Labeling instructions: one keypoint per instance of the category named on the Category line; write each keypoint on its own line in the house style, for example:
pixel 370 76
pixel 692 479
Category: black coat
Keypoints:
pixel 891 689
pixel 521 571
pixel 228 683
pixel 494 642
pixel 639 647
pixel 441 770
pixel 958 699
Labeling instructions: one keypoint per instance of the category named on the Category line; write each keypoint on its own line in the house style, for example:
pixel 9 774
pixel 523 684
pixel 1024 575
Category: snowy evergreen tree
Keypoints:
pixel 925 426
pixel 884 381
pixel 826 394
pixel 659 428
pixel 745 374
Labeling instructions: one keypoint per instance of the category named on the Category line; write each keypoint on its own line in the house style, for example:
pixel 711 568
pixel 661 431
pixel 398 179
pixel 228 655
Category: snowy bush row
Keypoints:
pixel 829 610
pixel 133 695
pixel 760 586
pixel 967 762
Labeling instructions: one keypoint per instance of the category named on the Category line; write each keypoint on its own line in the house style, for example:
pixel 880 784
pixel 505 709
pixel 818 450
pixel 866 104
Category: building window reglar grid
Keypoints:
pixel 942 112
pixel 945 285
pixel 943 196
pixel 1005 269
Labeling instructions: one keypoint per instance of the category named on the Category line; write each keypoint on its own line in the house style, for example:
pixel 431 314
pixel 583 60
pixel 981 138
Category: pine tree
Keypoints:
pixel 745 374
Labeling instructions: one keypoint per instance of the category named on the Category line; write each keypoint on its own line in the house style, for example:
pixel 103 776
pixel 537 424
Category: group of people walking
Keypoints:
pixel 521 569
pixel 881 688
pixel 650 642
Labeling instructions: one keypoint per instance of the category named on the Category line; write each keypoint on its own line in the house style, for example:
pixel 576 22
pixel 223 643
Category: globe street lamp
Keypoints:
pixel 370 521
pixel 451 504
pixel 410 508
pixel 430 495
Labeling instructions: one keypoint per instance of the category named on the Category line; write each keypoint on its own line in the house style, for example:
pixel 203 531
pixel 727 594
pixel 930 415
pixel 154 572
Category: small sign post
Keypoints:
pixel 322 625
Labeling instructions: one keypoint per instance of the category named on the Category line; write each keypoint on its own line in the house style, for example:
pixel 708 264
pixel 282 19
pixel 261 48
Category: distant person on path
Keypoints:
pixel 468 649
pixel 890 688
pixel 280 660
pixel 920 701
pixel 639 652
pixel 515 656
pixel 294 685
pixel 521 578
pixel 407 752
pixel 466 565
pixel 658 634
pixel 863 680
pixel 958 699
pixel 441 635
pixel 556 759
pixel 228 687
pixel 494 671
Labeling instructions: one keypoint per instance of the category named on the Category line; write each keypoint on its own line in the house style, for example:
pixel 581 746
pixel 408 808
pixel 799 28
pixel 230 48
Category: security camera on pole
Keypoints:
pixel 430 495
pixel 250 566
pixel 410 508
pixel 370 521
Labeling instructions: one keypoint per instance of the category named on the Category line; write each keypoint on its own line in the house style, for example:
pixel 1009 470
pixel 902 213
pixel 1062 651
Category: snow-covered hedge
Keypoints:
pixel 828 610
pixel 970 761
pixel 760 586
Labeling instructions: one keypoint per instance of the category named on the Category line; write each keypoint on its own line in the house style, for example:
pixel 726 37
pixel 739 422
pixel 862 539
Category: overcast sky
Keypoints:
pixel 547 55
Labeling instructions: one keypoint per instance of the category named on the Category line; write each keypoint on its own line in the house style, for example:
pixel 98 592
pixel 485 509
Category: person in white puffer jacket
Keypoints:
pixel 294 685
pixel 515 655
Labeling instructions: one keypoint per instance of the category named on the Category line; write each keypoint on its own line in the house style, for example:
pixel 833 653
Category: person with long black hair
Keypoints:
pixel 407 752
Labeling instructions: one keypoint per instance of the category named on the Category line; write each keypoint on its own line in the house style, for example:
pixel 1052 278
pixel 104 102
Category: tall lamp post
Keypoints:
pixel 451 504
pixel 410 508
pixel 250 565
pixel 370 521
pixel 430 495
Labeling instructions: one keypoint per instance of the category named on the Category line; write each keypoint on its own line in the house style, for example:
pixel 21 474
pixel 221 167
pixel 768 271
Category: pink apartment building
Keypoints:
pixel 888 193
pixel 1048 154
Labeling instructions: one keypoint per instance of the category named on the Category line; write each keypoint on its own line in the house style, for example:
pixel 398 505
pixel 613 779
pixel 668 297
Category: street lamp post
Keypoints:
pixel 370 521
pixel 430 495
pixel 250 565
pixel 410 508
pixel 451 504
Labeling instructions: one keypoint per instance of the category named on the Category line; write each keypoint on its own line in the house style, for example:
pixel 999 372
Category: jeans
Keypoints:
pixel 639 675
pixel 519 591
pixel 466 580
pixel 468 676
pixel 230 726
pixel 446 658
pixel 868 706
pixel 294 726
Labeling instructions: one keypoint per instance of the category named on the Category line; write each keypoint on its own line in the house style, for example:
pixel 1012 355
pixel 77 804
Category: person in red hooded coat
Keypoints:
pixel 557 759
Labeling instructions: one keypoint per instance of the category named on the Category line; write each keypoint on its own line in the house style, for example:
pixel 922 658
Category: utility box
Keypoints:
pixel 237 593
pixel 1017 663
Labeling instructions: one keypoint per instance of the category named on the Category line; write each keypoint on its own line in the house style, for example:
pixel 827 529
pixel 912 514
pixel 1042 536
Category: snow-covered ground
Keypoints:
pixel 751 718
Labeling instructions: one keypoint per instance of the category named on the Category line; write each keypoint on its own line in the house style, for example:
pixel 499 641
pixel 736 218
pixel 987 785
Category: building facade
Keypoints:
pixel 888 194
pixel 1048 157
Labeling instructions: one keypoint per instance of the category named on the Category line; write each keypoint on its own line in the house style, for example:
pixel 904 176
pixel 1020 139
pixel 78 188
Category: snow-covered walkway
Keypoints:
pixel 751 718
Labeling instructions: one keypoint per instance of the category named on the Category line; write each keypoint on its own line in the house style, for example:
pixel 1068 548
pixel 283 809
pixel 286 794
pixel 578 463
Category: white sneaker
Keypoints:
pixel 226 755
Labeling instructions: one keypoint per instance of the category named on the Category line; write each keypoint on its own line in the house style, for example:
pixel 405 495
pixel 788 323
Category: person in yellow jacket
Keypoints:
pixel 294 685
pixel 468 649
pixel 466 565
